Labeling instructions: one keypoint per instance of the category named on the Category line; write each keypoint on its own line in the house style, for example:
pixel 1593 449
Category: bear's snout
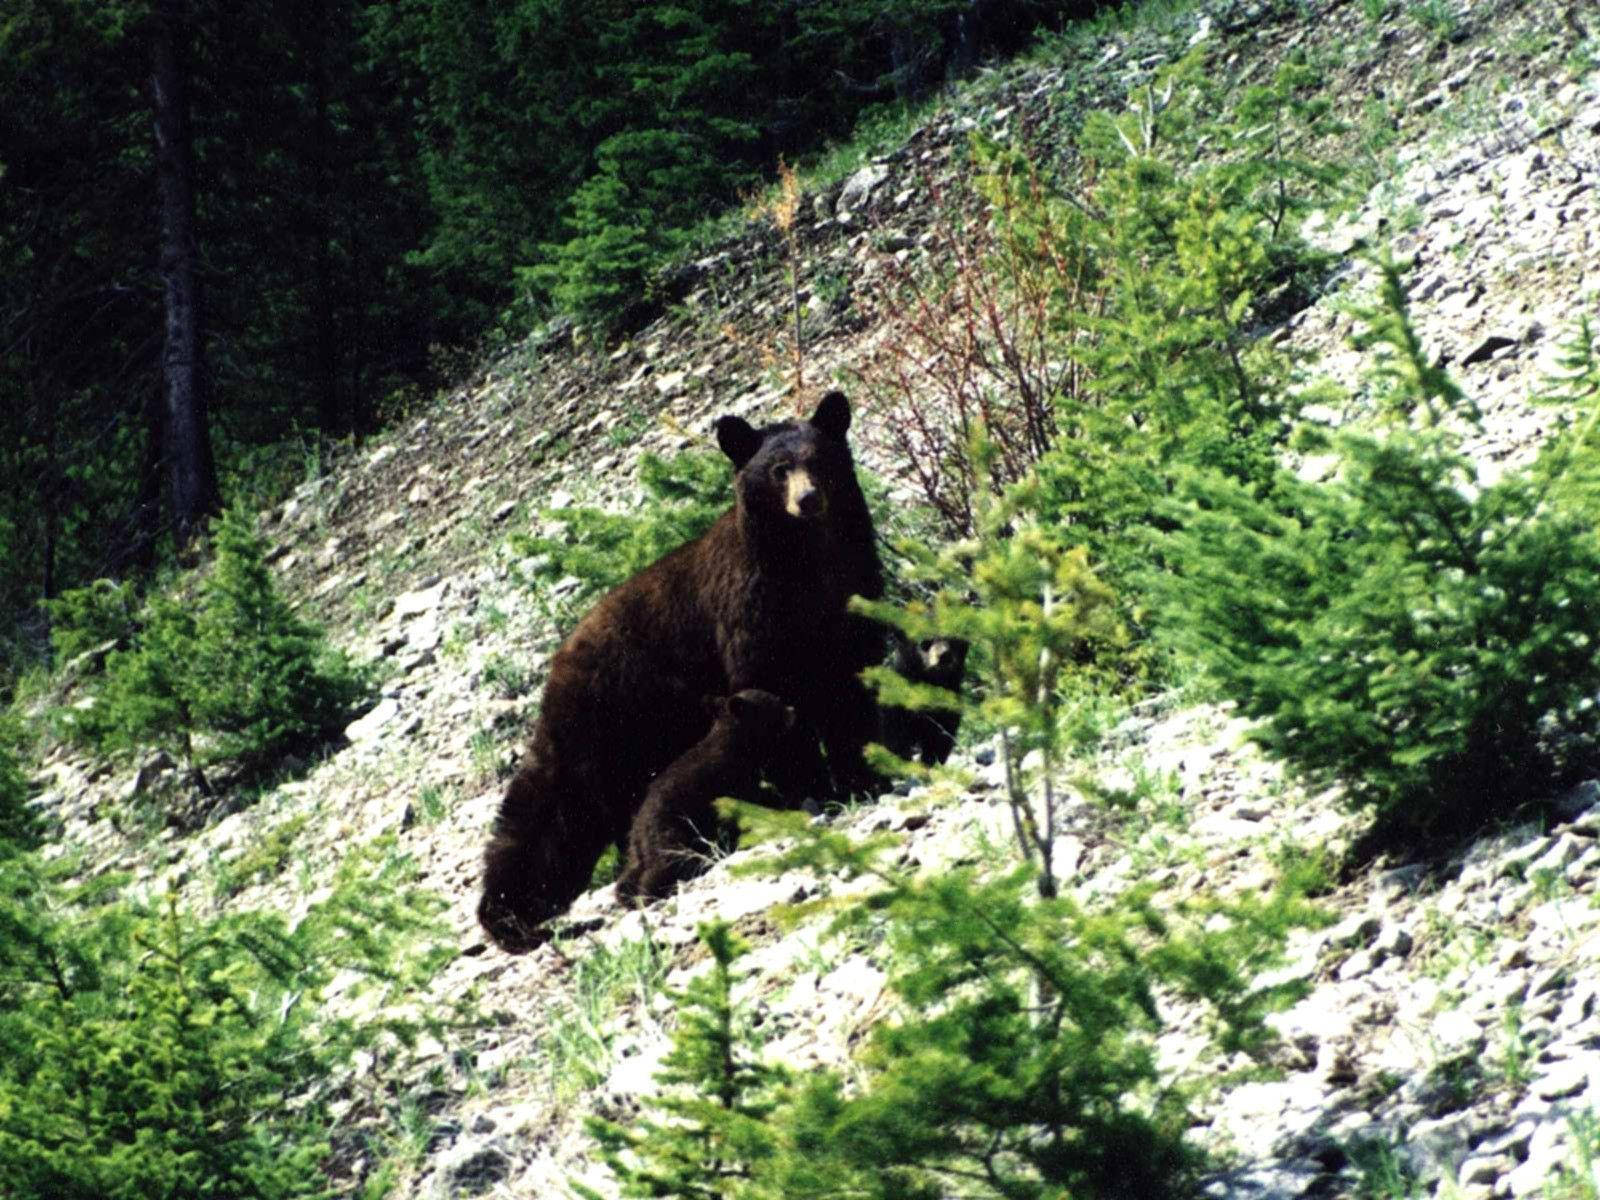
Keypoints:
pixel 802 497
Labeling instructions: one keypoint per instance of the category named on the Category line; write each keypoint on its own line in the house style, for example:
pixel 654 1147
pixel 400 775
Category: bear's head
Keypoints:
pixel 799 499
pixel 793 471
pixel 941 662
pixel 755 719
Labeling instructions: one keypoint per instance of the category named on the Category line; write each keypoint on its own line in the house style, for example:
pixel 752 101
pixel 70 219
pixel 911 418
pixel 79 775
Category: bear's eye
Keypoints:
pixel 781 468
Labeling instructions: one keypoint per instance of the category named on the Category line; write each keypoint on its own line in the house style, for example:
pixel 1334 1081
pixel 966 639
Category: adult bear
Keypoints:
pixel 756 602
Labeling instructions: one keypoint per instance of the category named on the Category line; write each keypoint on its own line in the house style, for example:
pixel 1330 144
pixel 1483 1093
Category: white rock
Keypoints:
pixel 859 187
pixel 365 728
pixel 423 600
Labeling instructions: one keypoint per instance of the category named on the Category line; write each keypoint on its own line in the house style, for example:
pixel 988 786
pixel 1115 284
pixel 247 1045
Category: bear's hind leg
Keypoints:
pixel 538 862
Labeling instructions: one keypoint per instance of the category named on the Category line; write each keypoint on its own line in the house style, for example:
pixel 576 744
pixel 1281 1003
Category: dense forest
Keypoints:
pixel 231 237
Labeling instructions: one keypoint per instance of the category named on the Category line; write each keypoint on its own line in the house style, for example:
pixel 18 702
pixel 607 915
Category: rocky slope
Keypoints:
pixel 1455 1012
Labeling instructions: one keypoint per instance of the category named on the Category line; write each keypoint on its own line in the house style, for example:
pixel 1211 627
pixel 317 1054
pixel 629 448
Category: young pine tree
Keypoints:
pixel 17 823
pixel 262 680
pixel 228 672
pixel 1418 636
pixel 717 1103
pixel 147 1051
pixel 1034 611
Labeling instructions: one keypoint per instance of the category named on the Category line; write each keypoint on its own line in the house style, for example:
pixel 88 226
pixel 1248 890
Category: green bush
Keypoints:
pixel 1046 637
pixel 82 619
pixel 263 679
pixel 1198 191
pixel 683 496
pixel 17 824
pixel 1021 1063
pixel 147 1051
pixel 716 1117
pixel 1423 640
pixel 229 674
pixel 651 177
pixel 1109 323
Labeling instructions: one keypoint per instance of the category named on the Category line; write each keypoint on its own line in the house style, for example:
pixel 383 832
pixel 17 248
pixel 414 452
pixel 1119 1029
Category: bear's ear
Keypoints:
pixel 833 415
pixel 738 440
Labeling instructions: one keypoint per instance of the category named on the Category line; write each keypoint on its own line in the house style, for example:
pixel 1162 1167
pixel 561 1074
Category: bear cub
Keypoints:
pixel 678 816
pixel 926 735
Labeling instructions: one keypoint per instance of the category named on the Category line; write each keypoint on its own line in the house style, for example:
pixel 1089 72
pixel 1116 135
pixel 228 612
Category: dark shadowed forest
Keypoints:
pixel 233 236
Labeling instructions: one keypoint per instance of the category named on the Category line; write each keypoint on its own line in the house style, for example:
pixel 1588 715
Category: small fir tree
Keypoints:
pixel 83 619
pixel 1019 1063
pixel 1417 636
pixel 672 76
pixel 226 672
pixel 18 826
pixel 262 680
pixel 146 1051
pixel 718 1101
pixel 148 696
pixel 1045 626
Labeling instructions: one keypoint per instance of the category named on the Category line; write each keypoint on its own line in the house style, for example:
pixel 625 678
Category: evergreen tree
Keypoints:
pixel 260 679
pixel 1405 630
pixel 227 673
pixel 146 1051
pixel 714 1133
pixel 675 96
pixel 18 826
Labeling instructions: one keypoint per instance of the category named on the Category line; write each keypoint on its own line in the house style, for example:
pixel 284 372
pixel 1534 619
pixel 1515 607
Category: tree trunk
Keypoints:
pixel 332 419
pixel 187 439
pixel 138 553
pixel 50 496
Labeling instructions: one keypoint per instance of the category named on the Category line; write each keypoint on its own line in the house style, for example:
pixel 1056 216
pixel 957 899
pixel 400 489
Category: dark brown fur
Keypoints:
pixel 927 735
pixel 757 601
pixel 678 816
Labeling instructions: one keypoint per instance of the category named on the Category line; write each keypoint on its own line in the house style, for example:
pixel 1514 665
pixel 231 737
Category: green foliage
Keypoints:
pixel 17 823
pixel 683 496
pixel 263 678
pixel 714 1119
pixel 1404 630
pixel 581 1027
pixel 569 146
pixel 1045 630
pixel 148 1051
pixel 1021 1063
pixel 82 619
pixel 146 698
pixel 233 666
pixel 1112 324
pixel 264 857
pixel 676 85
pixel 1197 196
pixel 1579 1177
pixel 1382 1170
pixel 1028 1057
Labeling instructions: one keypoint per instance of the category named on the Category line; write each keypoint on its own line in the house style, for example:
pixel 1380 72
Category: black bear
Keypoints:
pixel 926 735
pixel 746 730
pixel 757 601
